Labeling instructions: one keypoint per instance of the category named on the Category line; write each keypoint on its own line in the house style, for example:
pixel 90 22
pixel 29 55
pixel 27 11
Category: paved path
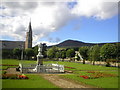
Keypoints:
pixel 65 83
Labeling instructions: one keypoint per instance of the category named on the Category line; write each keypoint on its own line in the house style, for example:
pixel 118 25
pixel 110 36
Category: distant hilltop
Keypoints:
pixel 75 43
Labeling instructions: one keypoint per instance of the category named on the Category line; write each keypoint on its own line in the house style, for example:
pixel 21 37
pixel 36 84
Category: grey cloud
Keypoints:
pixel 18 8
pixel 21 5
pixel 48 3
pixel 20 30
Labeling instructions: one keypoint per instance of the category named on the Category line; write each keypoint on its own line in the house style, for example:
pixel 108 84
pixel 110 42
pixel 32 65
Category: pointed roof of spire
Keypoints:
pixel 30 27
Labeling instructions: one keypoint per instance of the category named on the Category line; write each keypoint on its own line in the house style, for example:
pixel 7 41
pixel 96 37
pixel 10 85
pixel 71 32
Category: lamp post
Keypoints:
pixel 22 53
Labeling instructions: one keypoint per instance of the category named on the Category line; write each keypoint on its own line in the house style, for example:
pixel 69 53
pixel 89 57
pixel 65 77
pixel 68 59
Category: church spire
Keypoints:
pixel 30 27
pixel 28 42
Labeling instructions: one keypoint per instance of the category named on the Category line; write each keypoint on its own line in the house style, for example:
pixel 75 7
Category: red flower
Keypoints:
pixel 90 72
pixel 85 77
pixel 22 77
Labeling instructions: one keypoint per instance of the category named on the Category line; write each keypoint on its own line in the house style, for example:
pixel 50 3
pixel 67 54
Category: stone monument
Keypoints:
pixel 41 49
pixel 40 67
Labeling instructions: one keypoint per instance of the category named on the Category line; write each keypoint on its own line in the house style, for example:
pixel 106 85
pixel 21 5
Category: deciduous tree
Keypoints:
pixel 84 53
pixel 95 53
pixel 17 53
pixel 51 52
pixel 108 51
pixel 29 53
pixel 70 53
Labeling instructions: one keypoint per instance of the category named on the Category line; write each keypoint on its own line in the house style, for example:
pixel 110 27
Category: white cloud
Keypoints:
pixel 97 8
pixel 47 17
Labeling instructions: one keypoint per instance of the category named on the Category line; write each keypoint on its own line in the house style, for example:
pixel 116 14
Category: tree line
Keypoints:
pixel 107 52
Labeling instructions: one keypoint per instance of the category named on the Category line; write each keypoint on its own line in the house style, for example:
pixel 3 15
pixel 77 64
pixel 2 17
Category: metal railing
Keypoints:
pixel 46 68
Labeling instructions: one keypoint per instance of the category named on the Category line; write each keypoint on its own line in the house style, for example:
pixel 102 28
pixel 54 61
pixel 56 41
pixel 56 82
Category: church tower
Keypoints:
pixel 28 42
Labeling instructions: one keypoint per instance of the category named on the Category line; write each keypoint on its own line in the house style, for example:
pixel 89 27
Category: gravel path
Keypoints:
pixel 64 83
pixel 12 71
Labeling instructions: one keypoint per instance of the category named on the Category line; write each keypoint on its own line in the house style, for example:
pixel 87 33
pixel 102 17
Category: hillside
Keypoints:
pixel 74 43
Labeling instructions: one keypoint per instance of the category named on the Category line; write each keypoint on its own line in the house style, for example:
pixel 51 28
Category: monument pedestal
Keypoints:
pixel 39 60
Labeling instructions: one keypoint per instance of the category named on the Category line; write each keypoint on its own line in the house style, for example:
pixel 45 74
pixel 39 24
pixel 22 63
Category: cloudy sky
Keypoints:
pixel 55 21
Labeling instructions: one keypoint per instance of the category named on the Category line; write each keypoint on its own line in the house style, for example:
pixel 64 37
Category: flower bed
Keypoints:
pixel 95 75
pixel 14 76
pixel 91 72
pixel 85 77
pixel 22 76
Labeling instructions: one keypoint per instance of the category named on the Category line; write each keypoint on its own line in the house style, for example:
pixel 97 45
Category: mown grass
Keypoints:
pixel 34 81
pixel 3 72
pixel 80 69
pixel 106 82
pixel 15 62
pixel 6 67
pixel 79 66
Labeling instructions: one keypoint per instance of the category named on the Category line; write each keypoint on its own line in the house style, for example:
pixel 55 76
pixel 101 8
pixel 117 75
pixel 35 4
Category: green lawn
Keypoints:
pixel 16 62
pixel 34 81
pixel 105 82
pixel 80 69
